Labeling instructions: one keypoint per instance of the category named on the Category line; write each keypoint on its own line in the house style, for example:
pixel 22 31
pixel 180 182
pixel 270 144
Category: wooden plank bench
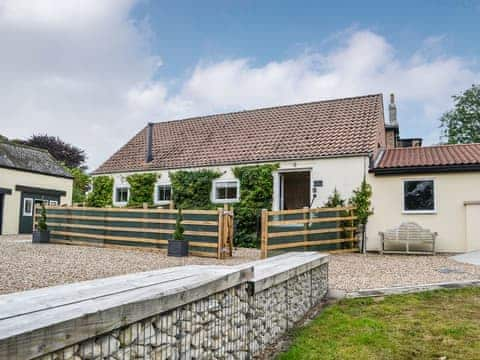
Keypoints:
pixel 408 233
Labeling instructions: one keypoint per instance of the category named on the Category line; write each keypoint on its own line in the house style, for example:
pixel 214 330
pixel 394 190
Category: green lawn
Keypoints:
pixel 441 324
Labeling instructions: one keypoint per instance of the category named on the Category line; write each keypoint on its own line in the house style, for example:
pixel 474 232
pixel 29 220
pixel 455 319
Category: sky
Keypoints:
pixel 95 72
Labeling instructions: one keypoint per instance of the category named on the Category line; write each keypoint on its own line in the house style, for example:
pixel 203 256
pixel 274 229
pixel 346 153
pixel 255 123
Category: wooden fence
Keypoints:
pixel 210 232
pixel 322 229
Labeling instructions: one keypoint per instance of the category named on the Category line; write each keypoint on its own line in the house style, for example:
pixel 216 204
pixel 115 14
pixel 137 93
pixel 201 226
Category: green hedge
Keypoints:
pixel 256 193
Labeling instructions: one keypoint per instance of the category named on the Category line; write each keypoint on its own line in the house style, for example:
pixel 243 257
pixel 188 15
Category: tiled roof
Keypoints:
pixel 430 156
pixel 28 158
pixel 292 132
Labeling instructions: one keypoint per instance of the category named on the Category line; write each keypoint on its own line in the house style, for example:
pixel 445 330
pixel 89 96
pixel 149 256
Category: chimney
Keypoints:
pixel 149 154
pixel 392 111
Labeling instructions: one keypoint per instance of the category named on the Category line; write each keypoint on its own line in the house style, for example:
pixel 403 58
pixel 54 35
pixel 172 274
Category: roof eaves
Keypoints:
pixel 426 169
pixel 66 176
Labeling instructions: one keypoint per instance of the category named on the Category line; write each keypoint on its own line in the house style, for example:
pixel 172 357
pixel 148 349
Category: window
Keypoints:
pixel 121 195
pixel 164 192
pixel 226 191
pixel 418 196
pixel 27 207
pixel 53 202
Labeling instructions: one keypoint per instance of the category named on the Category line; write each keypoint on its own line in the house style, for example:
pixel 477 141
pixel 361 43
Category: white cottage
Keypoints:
pixel 29 176
pixel 318 146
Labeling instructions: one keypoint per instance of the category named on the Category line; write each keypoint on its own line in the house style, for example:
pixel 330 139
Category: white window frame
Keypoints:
pixel 224 201
pixel 155 194
pixel 434 211
pixel 115 195
pixel 53 203
pixel 25 200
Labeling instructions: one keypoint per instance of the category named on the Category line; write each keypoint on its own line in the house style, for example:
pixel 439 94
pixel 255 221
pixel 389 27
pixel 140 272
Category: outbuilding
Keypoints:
pixel 28 177
pixel 437 187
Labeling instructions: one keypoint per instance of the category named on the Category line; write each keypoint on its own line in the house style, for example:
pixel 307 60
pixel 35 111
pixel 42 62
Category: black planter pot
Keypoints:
pixel 178 248
pixel 41 237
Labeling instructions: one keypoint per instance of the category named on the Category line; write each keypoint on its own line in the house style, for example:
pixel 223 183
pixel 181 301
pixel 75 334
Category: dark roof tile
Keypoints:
pixel 31 159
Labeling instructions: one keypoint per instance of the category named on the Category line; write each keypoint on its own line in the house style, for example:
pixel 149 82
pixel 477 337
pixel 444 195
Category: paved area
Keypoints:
pixel 352 272
pixel 472 257
pixel 25 266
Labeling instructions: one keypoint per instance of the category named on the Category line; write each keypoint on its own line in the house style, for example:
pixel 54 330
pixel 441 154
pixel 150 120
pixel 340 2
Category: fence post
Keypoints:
pixel 232 233
pixel 226 229
pixel 306 214
pixel 264 239
pixel 220 233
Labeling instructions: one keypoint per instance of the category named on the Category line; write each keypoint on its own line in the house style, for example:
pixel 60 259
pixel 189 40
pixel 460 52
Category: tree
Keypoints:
pixel 462 124
pixel 70 155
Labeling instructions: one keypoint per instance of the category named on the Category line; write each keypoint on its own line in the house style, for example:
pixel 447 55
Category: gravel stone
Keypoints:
pixel 350 272
pixel 25 266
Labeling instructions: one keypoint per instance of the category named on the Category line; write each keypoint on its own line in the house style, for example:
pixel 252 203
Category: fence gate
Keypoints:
pixel 209 232
pixel 322 229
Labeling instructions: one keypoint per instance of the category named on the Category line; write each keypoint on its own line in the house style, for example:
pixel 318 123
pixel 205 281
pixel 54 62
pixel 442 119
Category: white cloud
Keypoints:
pixel 84 70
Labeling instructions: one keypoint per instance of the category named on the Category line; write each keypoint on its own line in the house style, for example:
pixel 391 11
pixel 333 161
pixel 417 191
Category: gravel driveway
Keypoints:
pixel 357 271
pixel 26 266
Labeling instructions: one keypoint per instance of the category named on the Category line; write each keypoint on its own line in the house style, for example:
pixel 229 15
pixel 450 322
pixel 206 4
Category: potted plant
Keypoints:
pixel 41 234
pixel 177 245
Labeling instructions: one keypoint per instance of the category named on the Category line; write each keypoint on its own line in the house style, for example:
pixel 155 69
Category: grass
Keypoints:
pixel 442 324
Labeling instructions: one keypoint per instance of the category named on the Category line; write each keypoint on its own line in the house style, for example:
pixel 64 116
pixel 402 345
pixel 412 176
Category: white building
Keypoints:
pixel 319 146
pixel 28 177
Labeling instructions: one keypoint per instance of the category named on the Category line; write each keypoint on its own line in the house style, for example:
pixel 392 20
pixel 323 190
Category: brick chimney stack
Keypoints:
pixel 392 131
pixel 392 111
pixel 149 150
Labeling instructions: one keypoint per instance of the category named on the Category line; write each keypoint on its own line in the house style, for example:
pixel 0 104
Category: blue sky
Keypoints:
pixel 94 73
pixel 270 30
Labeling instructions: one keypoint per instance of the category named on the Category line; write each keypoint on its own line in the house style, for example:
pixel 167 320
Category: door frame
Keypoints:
pixel 281 186
pixel 2 204
pixel 37 198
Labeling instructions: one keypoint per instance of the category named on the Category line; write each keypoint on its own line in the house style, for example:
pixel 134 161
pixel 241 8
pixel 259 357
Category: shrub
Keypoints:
pixel 361 199
pixel 191 189
pixel 178 234
pixel 142 187
pixel 334 200
pixel 42 222
pixel 102 192
pixel 256 193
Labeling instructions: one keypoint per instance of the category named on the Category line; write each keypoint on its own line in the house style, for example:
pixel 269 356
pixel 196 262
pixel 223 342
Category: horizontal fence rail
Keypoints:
pixel 320 229
pixel 208 231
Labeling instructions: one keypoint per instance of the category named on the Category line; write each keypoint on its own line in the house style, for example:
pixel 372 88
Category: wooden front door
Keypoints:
pixel 295 190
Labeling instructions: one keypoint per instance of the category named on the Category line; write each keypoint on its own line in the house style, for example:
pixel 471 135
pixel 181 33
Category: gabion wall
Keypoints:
pixel 233 324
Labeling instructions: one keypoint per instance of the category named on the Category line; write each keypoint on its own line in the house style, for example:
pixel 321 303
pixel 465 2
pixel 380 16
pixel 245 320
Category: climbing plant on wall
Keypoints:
pixel 102 192
pixel 256 193
pixel 191 189
pixel 361 199
pixel 141 188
